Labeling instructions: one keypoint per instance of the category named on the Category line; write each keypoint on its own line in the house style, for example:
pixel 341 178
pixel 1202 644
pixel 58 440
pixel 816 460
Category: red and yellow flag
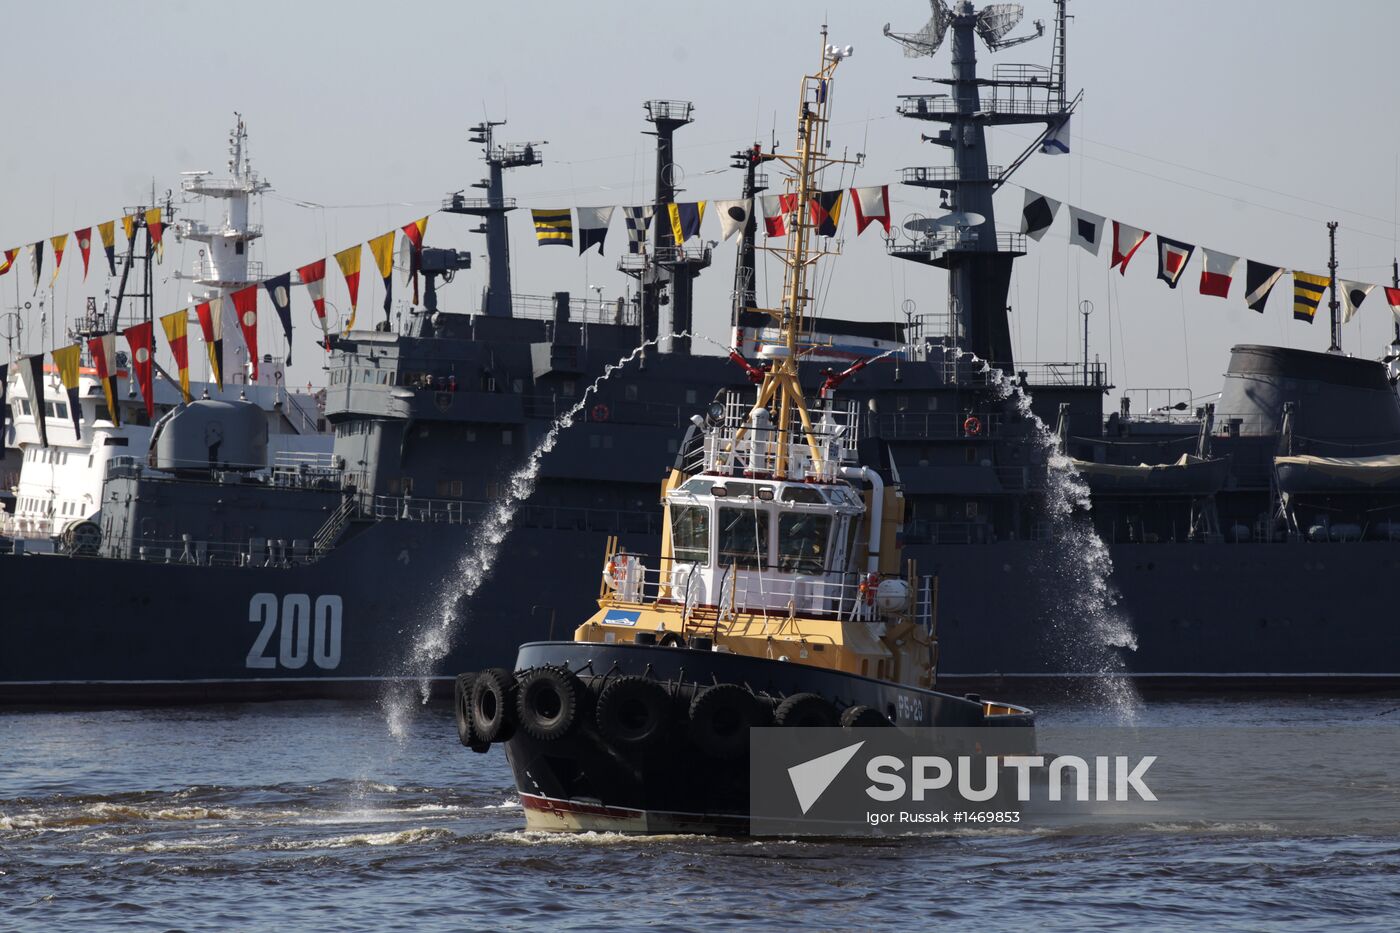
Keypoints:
pixel 60 243
pixel 155 227
pixel 138 337
pixel 382 249
pixel 349 262
pixel 313 276
pixel 210 314
pixel 415 232
pixel 9 260
pixel 107 230
pixel 103 351
pixel 175 333
pixel 84 247
pixel 66 359
pixel 129 227
pixel 245 305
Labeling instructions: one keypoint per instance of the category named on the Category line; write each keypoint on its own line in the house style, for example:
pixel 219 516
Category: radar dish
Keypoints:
pixel 997 19
pixel 405 261
pixel 927 40
pixel 958 220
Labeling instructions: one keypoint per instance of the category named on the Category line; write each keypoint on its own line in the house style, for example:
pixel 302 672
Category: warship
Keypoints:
pixel 778 596
pixel 1233 530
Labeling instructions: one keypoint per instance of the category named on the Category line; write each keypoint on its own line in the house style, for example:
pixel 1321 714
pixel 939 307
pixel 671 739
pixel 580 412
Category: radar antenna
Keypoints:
pixel 926 41
pixel 997 19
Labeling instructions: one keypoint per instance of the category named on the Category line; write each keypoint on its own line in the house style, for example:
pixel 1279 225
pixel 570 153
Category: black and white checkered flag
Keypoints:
pixel 638 219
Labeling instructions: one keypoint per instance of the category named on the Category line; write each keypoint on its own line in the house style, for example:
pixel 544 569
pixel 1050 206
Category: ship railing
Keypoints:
pixel 207 271
pixel 581 310
pixel 330 531
pixel 197 228
pixel 937 174
pixel 206 184
pixel 918 105
pixel 255 552
pixel 935 425
pixel 706 594
pixel 735 445
pixel 456 202
pixel 1021 73
pixel 294 409
pixel 415 509
pixel 302 461
pixel 922 531
pixel 934 245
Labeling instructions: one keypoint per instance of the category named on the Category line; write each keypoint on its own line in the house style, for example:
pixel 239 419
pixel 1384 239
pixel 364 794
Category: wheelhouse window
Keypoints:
pixel 802 540
pixel 743 538
pixel 690 534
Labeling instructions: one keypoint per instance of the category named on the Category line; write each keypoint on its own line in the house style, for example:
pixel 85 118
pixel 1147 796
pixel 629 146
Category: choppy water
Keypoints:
pixel 310 816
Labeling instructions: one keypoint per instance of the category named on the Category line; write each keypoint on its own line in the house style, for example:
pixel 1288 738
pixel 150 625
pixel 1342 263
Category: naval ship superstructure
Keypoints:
pixel 1231 531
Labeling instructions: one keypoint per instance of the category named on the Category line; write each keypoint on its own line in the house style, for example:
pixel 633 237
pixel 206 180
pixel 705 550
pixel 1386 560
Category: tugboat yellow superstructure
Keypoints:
pixel 778 597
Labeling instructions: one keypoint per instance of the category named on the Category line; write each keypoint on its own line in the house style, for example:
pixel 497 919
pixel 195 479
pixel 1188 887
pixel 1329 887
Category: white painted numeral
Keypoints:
pixel 262 608
pixel 304 633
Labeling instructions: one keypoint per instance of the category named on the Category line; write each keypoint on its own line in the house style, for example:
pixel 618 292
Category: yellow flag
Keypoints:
pixel 382 249
pixel 107 229
pixel 349 262
pixel 175 326
pixel 1307 292
pixel 66 359
pixel 60 243
pixel 129 226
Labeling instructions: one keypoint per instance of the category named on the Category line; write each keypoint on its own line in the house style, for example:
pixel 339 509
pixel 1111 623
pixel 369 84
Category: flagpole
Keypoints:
pixel 1332 304
pixel 1395 283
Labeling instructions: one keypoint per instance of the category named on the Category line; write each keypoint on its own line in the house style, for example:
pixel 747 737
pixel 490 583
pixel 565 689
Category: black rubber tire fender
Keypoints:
pixel 720 718
pixel 863 717
pixel 633 712
pixel 547 702
pixel 462 706
pixel 805 710
pixel 493 705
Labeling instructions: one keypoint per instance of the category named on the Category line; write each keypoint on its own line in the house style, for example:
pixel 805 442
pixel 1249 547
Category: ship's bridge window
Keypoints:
pixel 733 490
pixel 690 534
pixel 743 538
pixel 803 494
pixel 802 538
pixel 696 486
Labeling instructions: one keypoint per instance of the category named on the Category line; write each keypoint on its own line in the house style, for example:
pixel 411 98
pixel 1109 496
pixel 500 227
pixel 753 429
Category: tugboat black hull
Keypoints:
pixel 685 780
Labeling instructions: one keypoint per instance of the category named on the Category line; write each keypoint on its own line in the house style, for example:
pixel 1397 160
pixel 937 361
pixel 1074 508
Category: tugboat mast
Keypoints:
pixel 780 380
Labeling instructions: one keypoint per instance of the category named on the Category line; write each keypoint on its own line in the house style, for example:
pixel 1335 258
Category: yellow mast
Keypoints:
pixel 781 379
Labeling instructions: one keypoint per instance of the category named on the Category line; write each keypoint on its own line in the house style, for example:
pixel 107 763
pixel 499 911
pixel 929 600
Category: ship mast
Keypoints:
pixel 780 380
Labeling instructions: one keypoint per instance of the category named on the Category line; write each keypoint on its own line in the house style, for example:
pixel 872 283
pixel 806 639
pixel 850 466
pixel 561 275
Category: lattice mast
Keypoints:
pixel 780 384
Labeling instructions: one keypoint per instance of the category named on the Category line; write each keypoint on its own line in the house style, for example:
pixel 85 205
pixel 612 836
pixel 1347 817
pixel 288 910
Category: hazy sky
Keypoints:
pixel 1241 126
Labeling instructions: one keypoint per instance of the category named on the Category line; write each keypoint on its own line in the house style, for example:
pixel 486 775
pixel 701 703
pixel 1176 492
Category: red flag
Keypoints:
pixel 871 204
pixel 1126 241
pixel 10 255
pixel 414 234
pixel 776 208
pixel 313 276
pixel 138 338
pixel 1392 295
pixel 245 305
pixel 104 358
pixel 154 225
pixel 85 247
pixel 209 313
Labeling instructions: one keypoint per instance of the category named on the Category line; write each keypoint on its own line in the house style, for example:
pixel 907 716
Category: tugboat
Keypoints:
pixel 779 597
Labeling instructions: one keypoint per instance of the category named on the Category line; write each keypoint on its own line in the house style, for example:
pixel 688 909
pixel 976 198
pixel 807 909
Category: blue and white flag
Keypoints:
pixel 638 219
pixel 1056 141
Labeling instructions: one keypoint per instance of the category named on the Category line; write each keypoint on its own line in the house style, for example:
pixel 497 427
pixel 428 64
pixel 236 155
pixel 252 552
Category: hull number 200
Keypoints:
pixel 300 632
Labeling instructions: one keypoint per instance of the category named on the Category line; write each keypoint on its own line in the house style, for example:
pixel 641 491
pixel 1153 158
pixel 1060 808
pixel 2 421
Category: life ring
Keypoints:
pixel 806 710
pixel 493 705
pixel 720 718
pixel 547 703
pixel 615 571
pixel 600 412
pixel 972 426
pixel 633 712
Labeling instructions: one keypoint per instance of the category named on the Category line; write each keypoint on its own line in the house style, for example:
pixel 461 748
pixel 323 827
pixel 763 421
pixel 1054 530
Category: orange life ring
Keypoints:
pixel 600 412
pixel 972 425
